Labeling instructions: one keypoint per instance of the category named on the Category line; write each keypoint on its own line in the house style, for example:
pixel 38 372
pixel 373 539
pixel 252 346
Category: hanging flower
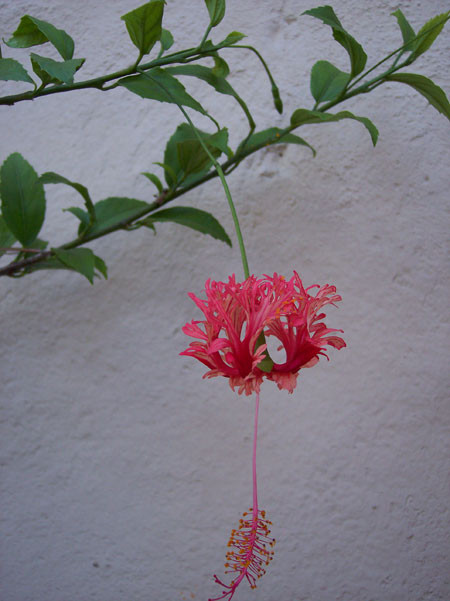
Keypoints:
pixel 240 315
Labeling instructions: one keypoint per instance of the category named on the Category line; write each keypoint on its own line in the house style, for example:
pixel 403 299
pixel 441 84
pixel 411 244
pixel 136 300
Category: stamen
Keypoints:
pixel 252 551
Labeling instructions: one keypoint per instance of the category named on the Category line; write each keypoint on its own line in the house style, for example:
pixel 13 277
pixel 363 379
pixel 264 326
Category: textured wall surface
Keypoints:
pixel 122 471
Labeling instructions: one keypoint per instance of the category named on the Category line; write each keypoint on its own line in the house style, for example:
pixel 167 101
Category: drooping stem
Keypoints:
pixel 226 189
pixel 221 174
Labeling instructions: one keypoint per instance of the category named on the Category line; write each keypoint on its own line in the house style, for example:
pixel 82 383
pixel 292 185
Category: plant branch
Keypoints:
pixel 99 82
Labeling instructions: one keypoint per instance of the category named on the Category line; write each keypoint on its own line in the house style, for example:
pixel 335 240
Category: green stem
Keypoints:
pixel 263 62
pixel 205 37
pixel 226 189
pixel 400 50
pixel 221 174
pixel 99 82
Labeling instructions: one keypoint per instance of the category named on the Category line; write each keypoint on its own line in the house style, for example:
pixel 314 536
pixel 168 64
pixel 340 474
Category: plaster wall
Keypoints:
pixel 122 471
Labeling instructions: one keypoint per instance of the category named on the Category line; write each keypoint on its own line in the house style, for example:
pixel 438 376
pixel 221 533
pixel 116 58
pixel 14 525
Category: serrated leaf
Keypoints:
pixel 408 33
pixel 275 135
pixel 216 9
pixel 192 157
pixel 159 85
pixel 144 25
pixel 433 93
pixel 81 260
pixel 155 180
pixel 166 39
pixel 12 70
pixel 23 198
pixel 111 212
pixel 305 116
pixel 358 57
pixel 7 238
pixel 327 81
pixel 43 75
pixel 428 33
pixel 172 157
pixel 32 32
pixel 56 71
pixel 196 219
pixel 50 177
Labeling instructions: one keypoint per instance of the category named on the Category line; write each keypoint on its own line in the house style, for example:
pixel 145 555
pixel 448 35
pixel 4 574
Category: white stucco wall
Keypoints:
pixel 123 471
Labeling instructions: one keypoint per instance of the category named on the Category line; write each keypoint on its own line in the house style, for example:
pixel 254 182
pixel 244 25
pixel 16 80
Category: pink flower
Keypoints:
pixel 238 317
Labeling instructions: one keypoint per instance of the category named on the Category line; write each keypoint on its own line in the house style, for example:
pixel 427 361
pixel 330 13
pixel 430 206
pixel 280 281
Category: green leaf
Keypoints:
pixel 144 25
pixel 428 33
pixel 358 57
pixel 275 135
pixel 83 216
pixel 185 155
pixel 194 218
pixel 327 15
pixel 81 260
pixel 408 33
pixel 327 81
pixel 433 93
pixel 305 117
pixel 12 70
pixel 166 39
pixel 55 71
pixel 23 198
pixel 32 32
pixel 50 177
pixel 169 174
pixel 221 68
pixel 277 98
pixel 159 85
pixel 232 38
pixel 7 238
pixel 50 263
pixel 192 157
pixel 100 265
pixel 155 180
pixel 216 9
pixel 220 84
pixel 111 212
